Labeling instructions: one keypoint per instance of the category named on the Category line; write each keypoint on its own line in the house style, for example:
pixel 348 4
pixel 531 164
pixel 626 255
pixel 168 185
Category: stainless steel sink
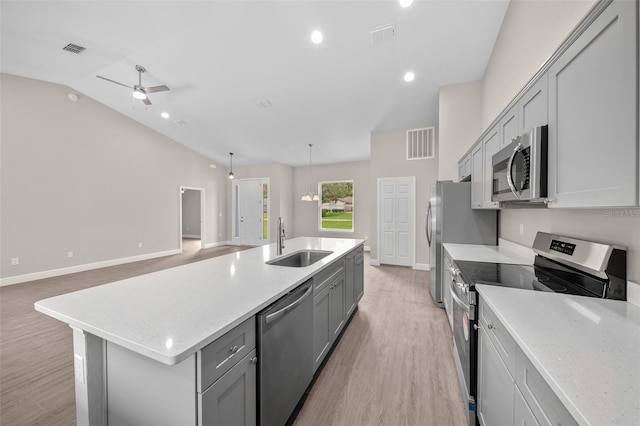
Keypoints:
pixel 300 259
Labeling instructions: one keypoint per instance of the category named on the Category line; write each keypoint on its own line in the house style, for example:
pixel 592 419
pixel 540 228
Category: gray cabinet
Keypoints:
pixel 490 145
pixel 336 307
pixel 321 328
pixel 509 126
pixel 359 275
pixel 447 299
pixel 495 385
pixel 464 167
pixel 232 399
pixel 350 284
pixel 522 414
pixel 533 106
pixel 477 176
pixel 593 114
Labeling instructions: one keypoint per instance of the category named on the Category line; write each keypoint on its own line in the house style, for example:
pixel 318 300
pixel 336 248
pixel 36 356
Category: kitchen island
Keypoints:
pixel 169 316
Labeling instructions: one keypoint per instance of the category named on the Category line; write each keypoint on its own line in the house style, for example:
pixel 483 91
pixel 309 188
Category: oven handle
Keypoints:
pixel 457 298
pixel 517 149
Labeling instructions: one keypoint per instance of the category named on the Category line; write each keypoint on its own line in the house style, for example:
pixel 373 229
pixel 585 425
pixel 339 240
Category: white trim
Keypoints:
pixel 374 262
pixel 191 236
pixel 422 267
pixel 86 267
pixel 220 244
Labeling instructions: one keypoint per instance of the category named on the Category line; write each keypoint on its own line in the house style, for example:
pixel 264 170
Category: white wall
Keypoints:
pixel 306 212
pixel 460 115
pixel 388 159
pixel 78 176
pixel 531 32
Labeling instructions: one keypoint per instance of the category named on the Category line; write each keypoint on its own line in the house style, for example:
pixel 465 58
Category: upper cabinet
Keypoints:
pixel 532 106
pixel 477 176
pixel 464 167
pixel 509 126
pixel 593 114
pixel 490 145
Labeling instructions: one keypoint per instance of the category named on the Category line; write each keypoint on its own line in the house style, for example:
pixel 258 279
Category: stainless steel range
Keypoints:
pixel 562 265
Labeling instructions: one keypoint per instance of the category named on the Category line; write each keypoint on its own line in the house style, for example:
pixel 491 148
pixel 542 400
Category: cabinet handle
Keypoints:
pixel 234 349
pixel 490 326
pixel 254 360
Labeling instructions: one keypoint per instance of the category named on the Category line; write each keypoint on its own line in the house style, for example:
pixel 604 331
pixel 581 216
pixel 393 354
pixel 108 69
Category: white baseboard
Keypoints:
pixel 218 244
pixel 422 267
pixel 374 262
pixel 81 268
pixel 191 236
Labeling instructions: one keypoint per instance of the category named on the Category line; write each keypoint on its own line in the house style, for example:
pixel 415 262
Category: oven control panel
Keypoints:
pixel 562 247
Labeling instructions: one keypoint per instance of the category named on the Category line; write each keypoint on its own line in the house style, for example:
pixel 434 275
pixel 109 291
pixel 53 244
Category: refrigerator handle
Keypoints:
pixel 427 226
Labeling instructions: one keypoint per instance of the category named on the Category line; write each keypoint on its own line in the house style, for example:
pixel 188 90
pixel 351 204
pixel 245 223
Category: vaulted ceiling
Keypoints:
pixel 245 76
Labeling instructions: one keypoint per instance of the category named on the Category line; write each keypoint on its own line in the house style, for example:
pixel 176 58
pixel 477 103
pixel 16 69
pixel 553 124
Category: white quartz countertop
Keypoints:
pixel 587 349
pixel 484 253
pixel 169 315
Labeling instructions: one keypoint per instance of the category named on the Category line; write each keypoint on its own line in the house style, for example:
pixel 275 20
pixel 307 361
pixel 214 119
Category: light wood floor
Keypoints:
pixel 393 365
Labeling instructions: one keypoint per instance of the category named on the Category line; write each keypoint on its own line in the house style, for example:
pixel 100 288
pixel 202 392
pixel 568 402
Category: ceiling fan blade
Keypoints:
pixel 146 101
pixel 113 81
pixel 154 89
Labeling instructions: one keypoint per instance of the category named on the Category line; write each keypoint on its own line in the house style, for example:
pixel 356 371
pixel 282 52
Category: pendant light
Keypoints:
pixel 231 176
pixel 310 196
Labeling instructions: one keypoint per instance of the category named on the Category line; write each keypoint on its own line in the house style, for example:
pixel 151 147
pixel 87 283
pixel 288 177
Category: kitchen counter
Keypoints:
pixel 484 253
pixel 586 349
pixel 169 315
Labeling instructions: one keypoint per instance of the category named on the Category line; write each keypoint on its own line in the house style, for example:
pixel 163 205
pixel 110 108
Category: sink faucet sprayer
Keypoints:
pixel 281 236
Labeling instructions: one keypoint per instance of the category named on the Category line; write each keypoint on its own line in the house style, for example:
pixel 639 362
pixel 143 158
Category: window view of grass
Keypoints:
pixel 337 205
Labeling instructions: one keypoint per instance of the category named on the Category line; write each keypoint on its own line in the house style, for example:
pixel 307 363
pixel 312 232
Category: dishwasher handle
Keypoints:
pixel 290 307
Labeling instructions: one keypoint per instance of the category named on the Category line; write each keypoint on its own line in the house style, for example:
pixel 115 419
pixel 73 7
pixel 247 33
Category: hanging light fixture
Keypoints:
pixel 231 176
pixel 310 196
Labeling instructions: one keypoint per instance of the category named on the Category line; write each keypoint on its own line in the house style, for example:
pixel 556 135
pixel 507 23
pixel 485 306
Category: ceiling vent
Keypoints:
pixel 421 143
pixel 382 35
pixel 74 48
pixel 180 122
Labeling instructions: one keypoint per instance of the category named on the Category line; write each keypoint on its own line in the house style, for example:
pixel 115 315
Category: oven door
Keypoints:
pixel 464 343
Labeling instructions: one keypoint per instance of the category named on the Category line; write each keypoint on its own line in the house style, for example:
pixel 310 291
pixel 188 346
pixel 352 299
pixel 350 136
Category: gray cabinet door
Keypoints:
pixel 359 275
pixel 522 414
pixel 495 385
pixel 350 284
pixel 336 307
pixel 490 146
pixel 321 330
pixel 509 126
pixel 533 106
pixel 593 114
pixel 477 176
pixel 232 399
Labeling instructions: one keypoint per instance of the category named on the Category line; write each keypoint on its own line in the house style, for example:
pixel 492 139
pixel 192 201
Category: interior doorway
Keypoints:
pixel 250 211
pixel 396 213
pixel 192 223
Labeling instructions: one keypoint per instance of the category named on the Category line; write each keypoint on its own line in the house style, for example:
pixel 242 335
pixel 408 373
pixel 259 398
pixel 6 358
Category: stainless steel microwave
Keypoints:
pixel 520 168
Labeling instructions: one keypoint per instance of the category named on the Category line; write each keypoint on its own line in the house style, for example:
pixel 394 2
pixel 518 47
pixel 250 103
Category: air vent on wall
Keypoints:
pixel 74 48
pixel 421 143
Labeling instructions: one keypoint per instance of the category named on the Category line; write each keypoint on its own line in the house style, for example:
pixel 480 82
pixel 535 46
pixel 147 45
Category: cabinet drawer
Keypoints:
pixel 504 343
pixel 324 277
pixel 544 404
pixel 359 253
pixel 219 356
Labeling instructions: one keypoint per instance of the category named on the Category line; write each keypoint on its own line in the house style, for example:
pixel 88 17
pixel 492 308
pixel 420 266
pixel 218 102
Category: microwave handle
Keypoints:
pixel 509 171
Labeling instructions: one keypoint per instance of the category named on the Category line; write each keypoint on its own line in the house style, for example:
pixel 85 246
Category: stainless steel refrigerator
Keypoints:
pixel 450 219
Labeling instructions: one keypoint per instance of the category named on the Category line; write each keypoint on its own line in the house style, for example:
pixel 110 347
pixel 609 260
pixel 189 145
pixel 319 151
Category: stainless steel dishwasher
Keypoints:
pixel 285 345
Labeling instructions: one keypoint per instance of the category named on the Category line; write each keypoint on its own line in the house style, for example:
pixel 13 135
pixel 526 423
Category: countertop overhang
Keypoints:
pixel 170 314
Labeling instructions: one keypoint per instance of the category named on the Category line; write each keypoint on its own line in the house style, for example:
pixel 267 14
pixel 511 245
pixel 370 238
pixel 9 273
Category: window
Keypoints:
pixel 336 206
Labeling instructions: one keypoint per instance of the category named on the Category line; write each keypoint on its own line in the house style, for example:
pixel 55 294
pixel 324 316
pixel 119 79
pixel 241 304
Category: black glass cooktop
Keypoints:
pixel 518 276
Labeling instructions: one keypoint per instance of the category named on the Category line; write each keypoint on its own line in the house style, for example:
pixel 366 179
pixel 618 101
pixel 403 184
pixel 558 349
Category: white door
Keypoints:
pixel 249 212
pixel 396 212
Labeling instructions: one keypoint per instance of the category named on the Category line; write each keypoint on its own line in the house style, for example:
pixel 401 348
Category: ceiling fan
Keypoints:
pixel 139 91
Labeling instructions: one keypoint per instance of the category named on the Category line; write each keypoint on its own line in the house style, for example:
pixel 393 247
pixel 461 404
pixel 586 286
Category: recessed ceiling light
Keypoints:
pixel 409 76
pixel 316 37
pixel 405 3
pixel 165 115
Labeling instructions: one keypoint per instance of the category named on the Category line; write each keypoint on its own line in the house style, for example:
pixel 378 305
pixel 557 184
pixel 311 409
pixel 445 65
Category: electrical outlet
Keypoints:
pixel 522 229
pixel 15 261
pixel 140 245
pixel 69 254
pixel 78 368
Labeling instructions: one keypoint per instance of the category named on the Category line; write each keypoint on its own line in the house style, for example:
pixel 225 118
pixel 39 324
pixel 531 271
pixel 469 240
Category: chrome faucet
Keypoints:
pixel 281 236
